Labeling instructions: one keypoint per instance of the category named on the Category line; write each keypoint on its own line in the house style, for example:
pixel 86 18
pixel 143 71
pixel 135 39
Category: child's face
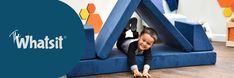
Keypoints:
pixel 145 42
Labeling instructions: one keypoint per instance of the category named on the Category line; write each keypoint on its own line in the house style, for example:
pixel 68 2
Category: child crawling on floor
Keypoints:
pixel 137 45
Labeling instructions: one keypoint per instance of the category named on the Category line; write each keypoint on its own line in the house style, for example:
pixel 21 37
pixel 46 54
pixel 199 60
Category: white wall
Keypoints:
pixel 103 7
pixel 208 10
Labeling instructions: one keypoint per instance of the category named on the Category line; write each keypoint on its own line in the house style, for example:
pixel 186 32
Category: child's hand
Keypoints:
pixel 136 73
pixel 146 74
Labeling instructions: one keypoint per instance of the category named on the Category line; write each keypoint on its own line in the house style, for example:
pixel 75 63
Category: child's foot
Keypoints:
pixel 132 24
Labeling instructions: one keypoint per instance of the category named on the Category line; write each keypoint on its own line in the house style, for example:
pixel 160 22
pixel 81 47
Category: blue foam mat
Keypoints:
pixel 163 57
pixel 167 33
pixel 114 25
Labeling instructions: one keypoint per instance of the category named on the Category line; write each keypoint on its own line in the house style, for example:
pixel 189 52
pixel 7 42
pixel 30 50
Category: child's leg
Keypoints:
pixel 131 24
pixel 121 39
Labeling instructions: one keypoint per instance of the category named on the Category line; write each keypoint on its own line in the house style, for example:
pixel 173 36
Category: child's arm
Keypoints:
pixel 146 71
pixel 147 57
pixel 147 61
pixel 132 60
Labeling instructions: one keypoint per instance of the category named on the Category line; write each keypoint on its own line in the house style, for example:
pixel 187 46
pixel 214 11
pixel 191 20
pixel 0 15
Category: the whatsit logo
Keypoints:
pixel 28 42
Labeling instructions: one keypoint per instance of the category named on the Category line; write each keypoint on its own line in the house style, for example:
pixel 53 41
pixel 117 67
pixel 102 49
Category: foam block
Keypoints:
pixel 163 57
pixel 167 33
pixel 195 34
pixel 89 52
pixel 172 4
pixel 114 25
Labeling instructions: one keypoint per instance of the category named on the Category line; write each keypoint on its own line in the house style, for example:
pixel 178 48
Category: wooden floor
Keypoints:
pixel 224 68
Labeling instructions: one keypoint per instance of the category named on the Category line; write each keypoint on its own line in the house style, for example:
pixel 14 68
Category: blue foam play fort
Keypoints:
pixel 182 45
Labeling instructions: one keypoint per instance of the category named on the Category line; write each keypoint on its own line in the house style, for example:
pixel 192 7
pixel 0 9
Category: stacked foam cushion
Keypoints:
pixel 195 34
pixel 90 43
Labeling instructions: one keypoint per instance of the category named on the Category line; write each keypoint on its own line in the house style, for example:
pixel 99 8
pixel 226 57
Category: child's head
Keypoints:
pixel 147 38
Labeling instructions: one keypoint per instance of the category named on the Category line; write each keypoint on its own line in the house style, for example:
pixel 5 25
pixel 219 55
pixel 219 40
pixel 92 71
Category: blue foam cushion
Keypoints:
pixel 167 33
pixel 159 5
pixel 114 25
pixel 89 52
pixel 163 57
pixel 173 4
pixel 195 35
